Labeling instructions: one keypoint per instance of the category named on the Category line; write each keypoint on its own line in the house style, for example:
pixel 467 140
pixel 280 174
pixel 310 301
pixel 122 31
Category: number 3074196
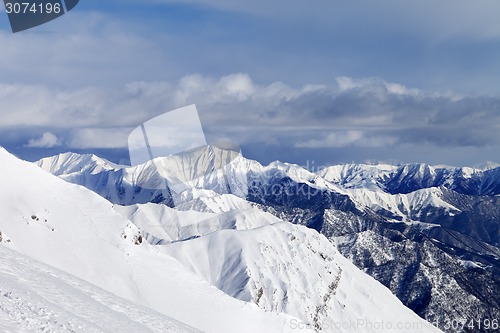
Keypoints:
pixel 32 8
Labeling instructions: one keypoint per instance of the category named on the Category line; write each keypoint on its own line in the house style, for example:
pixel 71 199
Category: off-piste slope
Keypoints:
pixel 78 232
pixel 35 297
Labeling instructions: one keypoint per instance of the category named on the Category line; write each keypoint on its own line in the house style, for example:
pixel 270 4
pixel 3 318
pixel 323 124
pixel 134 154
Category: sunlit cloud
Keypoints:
pixel 47 140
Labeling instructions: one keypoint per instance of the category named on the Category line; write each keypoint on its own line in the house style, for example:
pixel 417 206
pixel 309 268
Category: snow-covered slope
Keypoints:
pixel 78 232
pixel 357 175
pixel 203 169
pixel 411 177
pixel 145 183
pixel 289 268
pixel 411 207
pixel 161 224
pixel 255 257
pixel 70 163
pixel 35 297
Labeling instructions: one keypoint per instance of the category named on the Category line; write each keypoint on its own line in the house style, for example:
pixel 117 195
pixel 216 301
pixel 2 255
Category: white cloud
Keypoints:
pixel 47 140
pixel 374 84
pixel 99 138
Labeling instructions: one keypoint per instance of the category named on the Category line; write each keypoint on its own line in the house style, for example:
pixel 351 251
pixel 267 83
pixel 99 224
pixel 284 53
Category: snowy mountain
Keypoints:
pixel 412 177
pixel 433 246
pixel 285 268
pixel 146 183
pixel 430 234
pixel 72 261
pixel 71 163
pixel 76 231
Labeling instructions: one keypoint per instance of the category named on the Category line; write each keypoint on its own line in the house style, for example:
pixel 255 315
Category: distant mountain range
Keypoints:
pixel 429 234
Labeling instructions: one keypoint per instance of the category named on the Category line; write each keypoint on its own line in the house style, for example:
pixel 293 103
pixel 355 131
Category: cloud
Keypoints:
pixel 368 113
pixel 342 139
pixel 47 140
pixel 338 139
pixel 109 138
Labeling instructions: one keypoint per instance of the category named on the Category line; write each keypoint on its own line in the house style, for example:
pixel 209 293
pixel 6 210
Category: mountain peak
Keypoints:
pixel 67 163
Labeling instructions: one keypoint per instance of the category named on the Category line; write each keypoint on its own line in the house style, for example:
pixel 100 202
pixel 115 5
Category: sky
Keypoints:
pixel 307 82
